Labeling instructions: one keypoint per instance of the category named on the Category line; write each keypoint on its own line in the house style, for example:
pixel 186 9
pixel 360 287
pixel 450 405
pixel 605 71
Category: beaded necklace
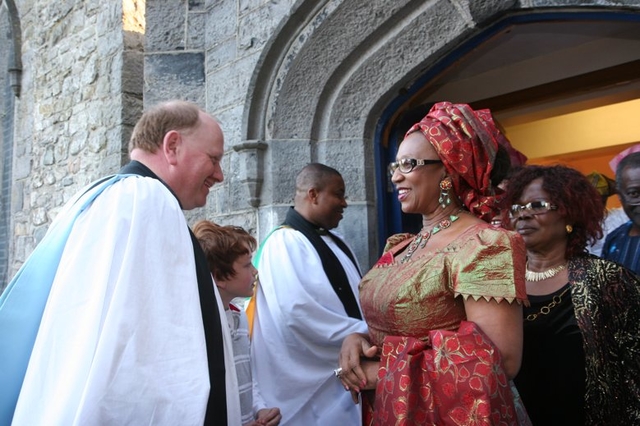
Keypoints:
pixel 544 275
pixel 423 237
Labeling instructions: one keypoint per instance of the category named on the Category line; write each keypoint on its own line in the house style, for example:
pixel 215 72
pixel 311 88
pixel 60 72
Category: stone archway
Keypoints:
pixel 316 96
pixel 325 79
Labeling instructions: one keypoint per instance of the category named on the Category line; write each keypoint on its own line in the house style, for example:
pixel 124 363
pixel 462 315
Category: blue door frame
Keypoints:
pixel 391 220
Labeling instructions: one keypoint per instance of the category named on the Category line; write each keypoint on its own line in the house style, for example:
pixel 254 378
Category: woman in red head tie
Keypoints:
pixel 444 306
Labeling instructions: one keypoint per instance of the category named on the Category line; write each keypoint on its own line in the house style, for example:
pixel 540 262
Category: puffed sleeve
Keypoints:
pixel 490 264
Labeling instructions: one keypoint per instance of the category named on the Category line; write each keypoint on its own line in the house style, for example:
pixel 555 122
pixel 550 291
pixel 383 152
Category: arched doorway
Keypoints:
pixel 337 82
pixel 564 86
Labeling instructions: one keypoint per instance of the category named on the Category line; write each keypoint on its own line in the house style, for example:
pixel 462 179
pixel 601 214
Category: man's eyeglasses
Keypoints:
pixel 530 209
pixel 406 165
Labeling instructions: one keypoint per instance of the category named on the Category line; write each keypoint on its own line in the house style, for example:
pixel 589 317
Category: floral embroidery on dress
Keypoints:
pixel 456 380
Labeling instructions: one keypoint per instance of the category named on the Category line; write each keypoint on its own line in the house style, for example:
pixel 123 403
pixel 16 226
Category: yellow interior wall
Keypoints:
pixel 585 140
pixel 606 126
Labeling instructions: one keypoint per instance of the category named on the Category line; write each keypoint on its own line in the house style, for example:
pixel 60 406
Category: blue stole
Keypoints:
pixel 22 302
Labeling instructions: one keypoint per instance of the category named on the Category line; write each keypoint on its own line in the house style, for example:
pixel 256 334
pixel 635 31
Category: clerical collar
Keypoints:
pixel 296 217
pixel 137 168
pixel 322 231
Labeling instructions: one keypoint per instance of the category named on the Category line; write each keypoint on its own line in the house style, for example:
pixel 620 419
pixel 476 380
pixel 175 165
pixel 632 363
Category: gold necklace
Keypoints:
pixel 546 309
pixel 422 238
pixel 544 275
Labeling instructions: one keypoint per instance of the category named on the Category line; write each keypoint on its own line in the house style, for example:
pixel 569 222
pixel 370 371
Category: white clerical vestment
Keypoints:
pixel 298 330
pixel 121 340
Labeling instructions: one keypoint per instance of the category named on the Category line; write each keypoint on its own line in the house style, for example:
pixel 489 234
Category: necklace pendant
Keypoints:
pixel 422 239
pixel 425 238
pixel 545 310
pixel 412 247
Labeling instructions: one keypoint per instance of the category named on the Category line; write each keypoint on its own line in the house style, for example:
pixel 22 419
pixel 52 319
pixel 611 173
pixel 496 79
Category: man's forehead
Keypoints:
pixel 631 173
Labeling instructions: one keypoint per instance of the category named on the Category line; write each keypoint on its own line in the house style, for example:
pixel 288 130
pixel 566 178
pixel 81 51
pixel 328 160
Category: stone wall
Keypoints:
pixel 294 82
pixel 207 52
pixel 291 81
pixel 78 101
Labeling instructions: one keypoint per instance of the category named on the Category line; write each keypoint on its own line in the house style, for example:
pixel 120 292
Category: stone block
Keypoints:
pixel 96 142
pixel 221 54
pixel 283 160
pixel 169 21
pixel 78 143
pixel 221 22
pixel 133 19
pixel 353 158
pixel 228 86
pixel 17 197
pixel 48 158
pixel 481 10
pixel 22 248
pixel 132 72
pixel 38 216
pixel 131 109
pixel 218 200
pixel 359 232
pixel 238 196
pixel 231 123
pixel 22 167
pixel 196 34
pixel 174 76
pixel 257 25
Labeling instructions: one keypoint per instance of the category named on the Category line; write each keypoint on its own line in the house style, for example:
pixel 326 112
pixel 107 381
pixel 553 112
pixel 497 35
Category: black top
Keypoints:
pixel 551 380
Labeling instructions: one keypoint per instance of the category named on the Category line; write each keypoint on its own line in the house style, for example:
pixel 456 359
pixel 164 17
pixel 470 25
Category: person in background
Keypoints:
pixel 613 164
pixel 306 303
pixel 581 358
pixel 613 218
pixel 115 312
pixel 622 245
pixel 229 250
pixel 444 306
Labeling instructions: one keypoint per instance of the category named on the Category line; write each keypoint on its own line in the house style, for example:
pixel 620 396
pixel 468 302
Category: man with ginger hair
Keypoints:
pixel 229 250
pixel 114 318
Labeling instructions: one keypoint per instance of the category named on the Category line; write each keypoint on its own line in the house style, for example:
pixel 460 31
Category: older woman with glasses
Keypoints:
pixel 581 358
pixel 443 306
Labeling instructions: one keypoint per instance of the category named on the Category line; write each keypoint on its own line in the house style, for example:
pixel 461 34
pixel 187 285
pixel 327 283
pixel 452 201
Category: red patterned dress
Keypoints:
pixel 436 368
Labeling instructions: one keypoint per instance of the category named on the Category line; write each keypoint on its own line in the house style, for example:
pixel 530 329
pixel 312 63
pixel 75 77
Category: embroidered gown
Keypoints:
pixel 426 293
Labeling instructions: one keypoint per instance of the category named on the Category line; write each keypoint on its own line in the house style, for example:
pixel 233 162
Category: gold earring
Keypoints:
pixel 569 229
pixel 445 185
